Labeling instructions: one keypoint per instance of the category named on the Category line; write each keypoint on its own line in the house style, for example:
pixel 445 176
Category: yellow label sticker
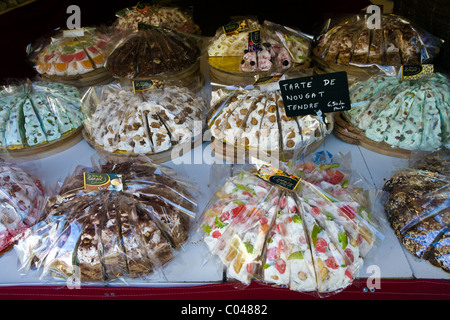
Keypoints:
pixel 99 181
pixel 278 177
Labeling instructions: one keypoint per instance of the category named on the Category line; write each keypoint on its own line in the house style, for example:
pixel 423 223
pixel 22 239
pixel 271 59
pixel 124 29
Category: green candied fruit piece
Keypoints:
pixel 296 255
pixel 297 219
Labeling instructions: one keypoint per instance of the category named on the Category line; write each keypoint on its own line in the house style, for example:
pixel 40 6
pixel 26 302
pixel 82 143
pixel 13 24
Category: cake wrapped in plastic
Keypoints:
pixel 151 51
pixel 311 238
pixel 114 221
pixel 254 120
pixel 169 17
pixel 121 121
pixel 75 56
pixel 356 45
pixel 36 115
pixel 245 48
pixel 22 200
pixel 417 207
pixel 407 114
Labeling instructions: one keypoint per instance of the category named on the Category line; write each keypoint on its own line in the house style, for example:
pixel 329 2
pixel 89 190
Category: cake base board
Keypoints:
pixel 94 78
pixel 348 133
pixel 159 157
pixel 47 149
pixel 233 154
pixel 242 79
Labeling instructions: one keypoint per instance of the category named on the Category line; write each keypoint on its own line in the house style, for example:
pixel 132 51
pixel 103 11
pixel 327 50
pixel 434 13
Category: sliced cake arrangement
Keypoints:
pixel 312 239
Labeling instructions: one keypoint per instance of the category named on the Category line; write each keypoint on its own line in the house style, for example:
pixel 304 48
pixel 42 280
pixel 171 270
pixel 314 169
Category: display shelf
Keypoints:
pixel 193 266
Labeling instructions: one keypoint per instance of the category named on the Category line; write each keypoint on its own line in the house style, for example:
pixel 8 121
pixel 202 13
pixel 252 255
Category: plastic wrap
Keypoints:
pixel 169 17
pixel 151 51
pixel 153 122
pixel 39 113
pixel 22 199
pixel 69 54
pixel 417 207
pixel 310 239
pixel 355 42
pixel 253 120
pixel 409 114
pixel 246 47
pixel 107 235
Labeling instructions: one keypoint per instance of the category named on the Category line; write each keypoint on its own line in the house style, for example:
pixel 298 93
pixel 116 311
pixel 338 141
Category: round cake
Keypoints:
pixel 246 48
pixel 408 114
pixel 312 239
pixel 152 51
pixel 254 119
pixel 38 113
pixel 417 205
pixel 121 121
pixel 105 235
pixel 166 17
pixel 69 55
pixel 22 200
pixel 354 42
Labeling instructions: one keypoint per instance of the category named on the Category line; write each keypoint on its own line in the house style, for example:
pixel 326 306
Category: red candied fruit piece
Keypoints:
pixel 321 245
pixel 331 263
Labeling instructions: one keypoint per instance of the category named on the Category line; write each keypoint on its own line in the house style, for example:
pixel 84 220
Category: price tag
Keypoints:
pixel 278 177
pixel 316 94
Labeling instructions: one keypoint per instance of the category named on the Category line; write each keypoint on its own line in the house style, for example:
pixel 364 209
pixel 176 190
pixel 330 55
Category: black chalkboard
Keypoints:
pixel 309 95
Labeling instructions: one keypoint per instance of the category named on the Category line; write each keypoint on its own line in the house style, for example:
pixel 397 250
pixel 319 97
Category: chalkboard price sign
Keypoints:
pixel 309 95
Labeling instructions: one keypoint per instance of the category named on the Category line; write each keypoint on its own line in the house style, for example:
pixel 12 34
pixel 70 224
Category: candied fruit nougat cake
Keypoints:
pixel 245 251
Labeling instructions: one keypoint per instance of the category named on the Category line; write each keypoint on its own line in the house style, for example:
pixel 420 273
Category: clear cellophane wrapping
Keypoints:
pixel 417 206
pixel 312 239
pixel 102 236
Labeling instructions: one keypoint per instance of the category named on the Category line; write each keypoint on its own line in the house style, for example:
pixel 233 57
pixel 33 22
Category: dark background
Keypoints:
pixel 24 25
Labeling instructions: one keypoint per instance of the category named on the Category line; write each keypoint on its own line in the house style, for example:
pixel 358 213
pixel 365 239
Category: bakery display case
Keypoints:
pixel 151 200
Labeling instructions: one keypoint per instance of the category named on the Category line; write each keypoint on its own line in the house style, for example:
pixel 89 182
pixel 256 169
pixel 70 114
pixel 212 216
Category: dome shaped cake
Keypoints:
pixel 243 49
pixel 147 122
pixel 363 50
pixel 166 17
pixel 70 55
pixel 397 42
pixel 254 119
pixel 106 235
pixel 417 205
pixel 22 200
pixel 311 240
pixel 408 114
pixel 37 114
pixel 152 51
